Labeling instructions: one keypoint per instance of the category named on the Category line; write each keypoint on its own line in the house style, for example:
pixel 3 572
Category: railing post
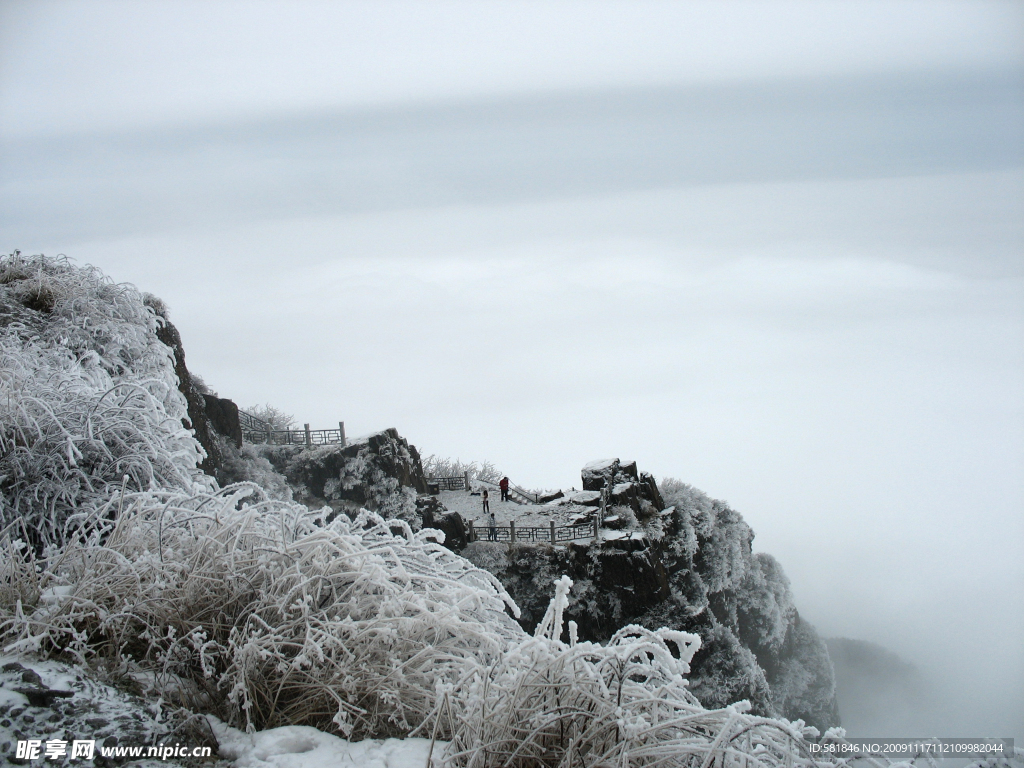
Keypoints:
pixel 596 526
pixel 511 531
pixel 341 429
pixel 309 437
pixel 472 531
pixel 552 524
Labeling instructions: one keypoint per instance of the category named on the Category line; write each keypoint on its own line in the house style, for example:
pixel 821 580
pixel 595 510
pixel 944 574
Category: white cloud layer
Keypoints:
pixel 88 64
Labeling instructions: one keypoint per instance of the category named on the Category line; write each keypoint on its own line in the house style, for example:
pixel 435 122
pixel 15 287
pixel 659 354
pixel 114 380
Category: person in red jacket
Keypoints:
pixel 504 488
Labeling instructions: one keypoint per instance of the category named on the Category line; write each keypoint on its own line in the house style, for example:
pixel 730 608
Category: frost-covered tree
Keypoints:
pixel 439 466
pixel 274 417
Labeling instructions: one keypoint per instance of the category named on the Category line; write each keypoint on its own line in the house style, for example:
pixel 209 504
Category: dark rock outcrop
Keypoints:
pixel 197 419
pixel 628 487
pixel 434 514
pixel 597 474
pixel 612 585
pixel 223 416
pixel 649 490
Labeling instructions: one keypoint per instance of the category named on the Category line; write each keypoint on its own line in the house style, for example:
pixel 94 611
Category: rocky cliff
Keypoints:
pixel 197 419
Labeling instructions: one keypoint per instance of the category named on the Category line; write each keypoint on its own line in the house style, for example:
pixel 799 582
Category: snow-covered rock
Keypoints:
pixel 586 498
pixel 43 699
pixel 380 471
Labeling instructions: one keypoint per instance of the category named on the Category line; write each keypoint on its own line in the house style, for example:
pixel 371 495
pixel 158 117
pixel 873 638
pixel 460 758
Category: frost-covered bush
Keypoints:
pixel 274 417
pixel 729 672
pixel 756 646
pixel 621 517
pixel 712 534
pixel 364 474
pixel 547 702
pixel 764 605
pixel 803 682
pixel 260 611
pixel 88 398
pixel 384 493
pixel 249 464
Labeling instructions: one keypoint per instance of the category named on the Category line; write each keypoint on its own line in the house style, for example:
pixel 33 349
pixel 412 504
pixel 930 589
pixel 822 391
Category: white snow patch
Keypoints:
pixel 298 746
pixel 607 535
pixel 56 594
pixel 9 698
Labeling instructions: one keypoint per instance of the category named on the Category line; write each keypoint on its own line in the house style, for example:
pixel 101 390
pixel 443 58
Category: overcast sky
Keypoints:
pixel 772 249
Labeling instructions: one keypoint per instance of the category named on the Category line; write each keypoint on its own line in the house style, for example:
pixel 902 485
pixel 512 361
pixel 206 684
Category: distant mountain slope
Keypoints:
pixel 879 693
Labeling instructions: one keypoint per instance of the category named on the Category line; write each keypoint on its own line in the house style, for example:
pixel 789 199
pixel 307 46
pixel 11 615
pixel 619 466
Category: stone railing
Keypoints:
pixel 256 430
pixel 552 534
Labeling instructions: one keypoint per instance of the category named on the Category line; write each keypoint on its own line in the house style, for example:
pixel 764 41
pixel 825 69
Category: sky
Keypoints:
pixel 772 249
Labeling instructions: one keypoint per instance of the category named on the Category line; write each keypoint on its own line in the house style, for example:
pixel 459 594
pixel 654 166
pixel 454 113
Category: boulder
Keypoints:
pixel 629 487
pixel 223 416
pixel 626 495
pixel 395 456
pixel 614 521
pixel 581 518
pixel 378 471
pixel 626 472
pixel 436 515
pixel 597 474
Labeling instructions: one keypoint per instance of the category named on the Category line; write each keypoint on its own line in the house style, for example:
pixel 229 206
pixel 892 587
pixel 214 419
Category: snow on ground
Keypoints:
pixel 470 506
pixel 296 746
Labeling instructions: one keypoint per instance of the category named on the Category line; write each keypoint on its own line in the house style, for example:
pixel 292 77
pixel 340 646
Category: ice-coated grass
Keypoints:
pixel 547 702
pixel 258 610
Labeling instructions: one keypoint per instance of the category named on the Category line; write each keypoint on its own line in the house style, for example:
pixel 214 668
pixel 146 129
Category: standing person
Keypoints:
pixel 494 528
pixel 504 488
pixel 487 503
